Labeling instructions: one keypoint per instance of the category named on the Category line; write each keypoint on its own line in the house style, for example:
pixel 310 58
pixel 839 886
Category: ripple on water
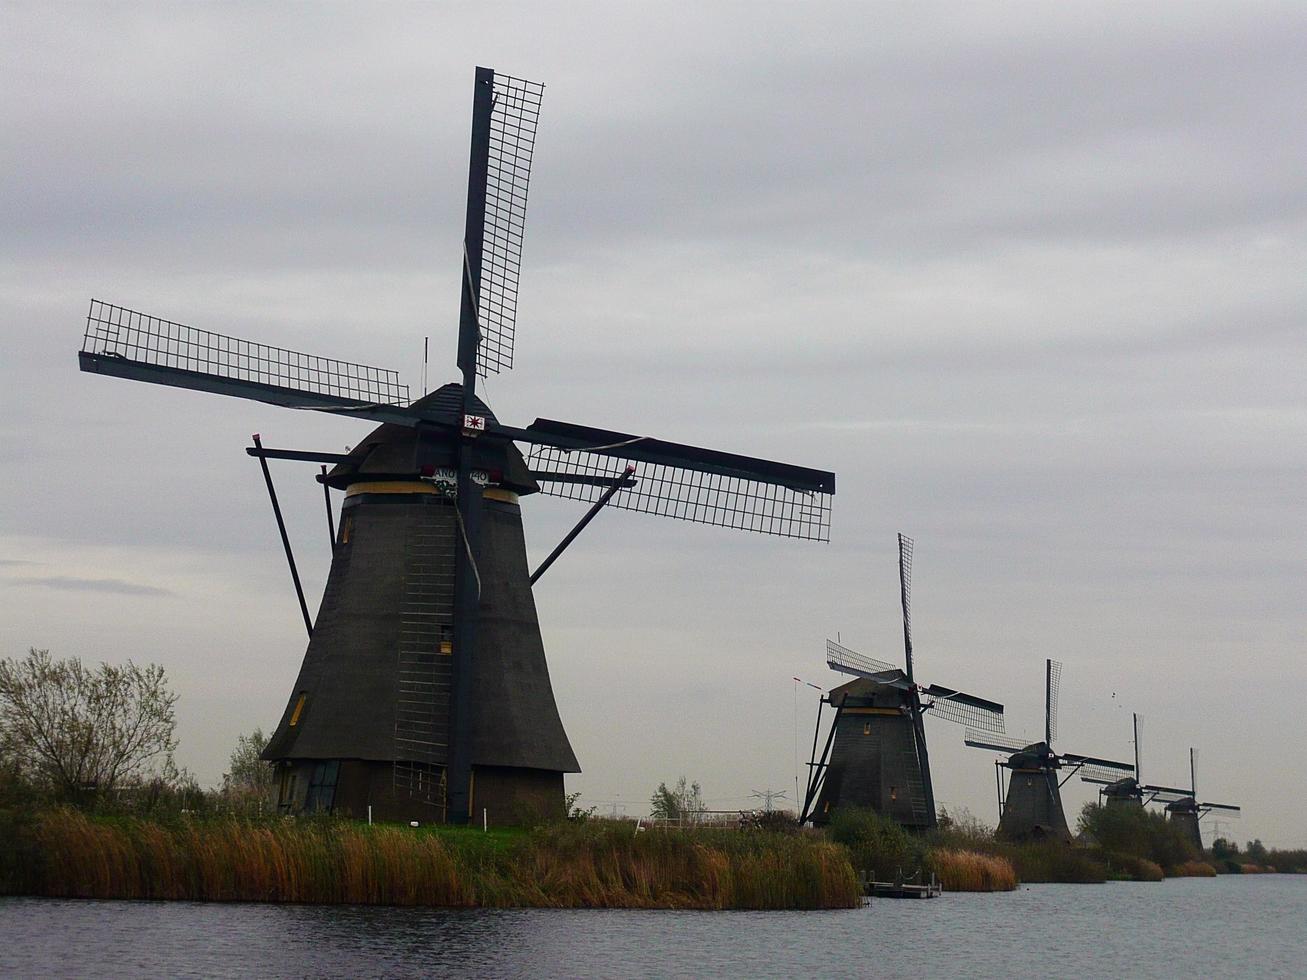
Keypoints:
pixel 1228 926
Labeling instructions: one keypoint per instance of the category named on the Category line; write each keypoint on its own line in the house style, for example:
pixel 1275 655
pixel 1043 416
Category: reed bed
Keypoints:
pixel 971 871
pixel 1053 860
pixel 1191 869
pixel 1131 867
pixel 598 864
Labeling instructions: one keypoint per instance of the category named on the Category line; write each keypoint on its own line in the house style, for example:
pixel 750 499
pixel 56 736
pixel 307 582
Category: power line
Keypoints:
pixel 767 796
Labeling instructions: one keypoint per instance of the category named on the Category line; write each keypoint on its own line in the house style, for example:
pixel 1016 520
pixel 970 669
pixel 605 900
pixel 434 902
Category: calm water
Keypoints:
pixel 1230 926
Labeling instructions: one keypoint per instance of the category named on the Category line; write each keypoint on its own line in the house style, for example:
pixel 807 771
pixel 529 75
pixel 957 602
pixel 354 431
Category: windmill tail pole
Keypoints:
pixel 326 495
pixel 1134 718
pixel 285 539
pixel 599 505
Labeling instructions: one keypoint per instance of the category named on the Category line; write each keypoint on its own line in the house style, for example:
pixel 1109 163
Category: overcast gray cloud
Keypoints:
pixel 1029 279
pixel 113 586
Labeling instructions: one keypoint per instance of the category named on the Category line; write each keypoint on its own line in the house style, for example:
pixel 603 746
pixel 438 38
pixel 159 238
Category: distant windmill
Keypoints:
pixel 1130 790
pixel 875 753
pixel 424 692
pixel 1033 807
pixel 1187 811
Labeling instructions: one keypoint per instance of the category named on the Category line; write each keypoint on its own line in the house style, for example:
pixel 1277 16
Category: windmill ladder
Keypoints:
pixel 424 675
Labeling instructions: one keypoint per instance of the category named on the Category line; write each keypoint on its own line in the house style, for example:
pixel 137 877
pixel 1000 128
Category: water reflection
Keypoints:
pixel 1229 926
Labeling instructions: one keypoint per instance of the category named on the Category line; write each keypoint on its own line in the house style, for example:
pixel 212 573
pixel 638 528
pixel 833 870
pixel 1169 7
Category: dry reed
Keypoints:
pixel 1191 869
pixel 971 871
pixel 598 864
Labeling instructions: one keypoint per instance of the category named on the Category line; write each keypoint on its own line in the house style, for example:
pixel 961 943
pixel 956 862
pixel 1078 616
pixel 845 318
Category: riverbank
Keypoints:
pixel 594 864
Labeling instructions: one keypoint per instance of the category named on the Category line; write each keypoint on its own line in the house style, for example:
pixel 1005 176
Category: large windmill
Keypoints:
pixel 424 692
pixel 1033 807
pixel 1187 811
pixel 875 752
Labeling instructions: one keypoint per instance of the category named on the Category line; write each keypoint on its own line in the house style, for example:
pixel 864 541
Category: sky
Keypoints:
pixel 1029 278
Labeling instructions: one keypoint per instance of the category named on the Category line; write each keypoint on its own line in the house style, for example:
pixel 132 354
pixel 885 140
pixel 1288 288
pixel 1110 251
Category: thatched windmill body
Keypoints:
pixel 424 693
pixel 875 752
pixel 1032 808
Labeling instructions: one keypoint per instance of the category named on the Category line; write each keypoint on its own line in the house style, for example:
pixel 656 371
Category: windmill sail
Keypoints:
pixel 995 742
pixel 1052 681
pixel 684 482
pixel 966 709
pixel 128 344
pixel 504 133
pixel 841 658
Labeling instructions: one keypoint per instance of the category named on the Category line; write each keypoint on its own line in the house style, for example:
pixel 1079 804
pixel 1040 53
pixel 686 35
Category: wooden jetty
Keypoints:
pixel 898 888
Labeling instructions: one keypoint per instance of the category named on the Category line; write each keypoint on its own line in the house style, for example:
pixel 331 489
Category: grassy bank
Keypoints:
pixel 1120 845
pixel 65 853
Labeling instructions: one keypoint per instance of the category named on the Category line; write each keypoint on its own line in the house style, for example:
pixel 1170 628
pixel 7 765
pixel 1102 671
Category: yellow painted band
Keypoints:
pixel 417 486
pixel 391 486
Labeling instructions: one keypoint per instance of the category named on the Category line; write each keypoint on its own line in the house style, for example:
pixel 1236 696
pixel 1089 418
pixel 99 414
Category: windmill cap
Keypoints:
pixel 390 451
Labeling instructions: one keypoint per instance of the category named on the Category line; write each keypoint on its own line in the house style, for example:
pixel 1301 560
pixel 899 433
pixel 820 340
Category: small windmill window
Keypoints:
pixel 299 709
pixel 866 728
pixel 346 527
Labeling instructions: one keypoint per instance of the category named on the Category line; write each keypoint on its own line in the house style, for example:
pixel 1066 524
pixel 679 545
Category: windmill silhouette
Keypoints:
pixel 1033 806
pixel 875 751
pixel 1187 812
pixel 1183 807
pixel 424 692
pixel 1131 790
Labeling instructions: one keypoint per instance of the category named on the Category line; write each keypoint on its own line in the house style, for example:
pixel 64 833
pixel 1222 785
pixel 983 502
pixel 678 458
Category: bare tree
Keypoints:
pixel 85 731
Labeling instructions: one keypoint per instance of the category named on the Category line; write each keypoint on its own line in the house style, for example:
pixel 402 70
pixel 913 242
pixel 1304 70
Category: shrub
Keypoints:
pixel 1134 831
pixel 1040 861
pixel 877 844
pixel 1131 867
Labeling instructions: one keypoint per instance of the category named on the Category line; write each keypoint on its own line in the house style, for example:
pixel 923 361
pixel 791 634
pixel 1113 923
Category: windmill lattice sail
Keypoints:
pixel 722 499
pixel 147 348
pixel 514 117
pixel 841 658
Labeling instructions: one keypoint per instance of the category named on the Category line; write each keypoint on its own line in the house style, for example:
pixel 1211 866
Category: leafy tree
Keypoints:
pixel 247 770
pixel 83 732
pixel 249 776
pixel 1134 832
pixel 1223 849
pixel 681 802
pixel 1256 851
pixel 575 812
